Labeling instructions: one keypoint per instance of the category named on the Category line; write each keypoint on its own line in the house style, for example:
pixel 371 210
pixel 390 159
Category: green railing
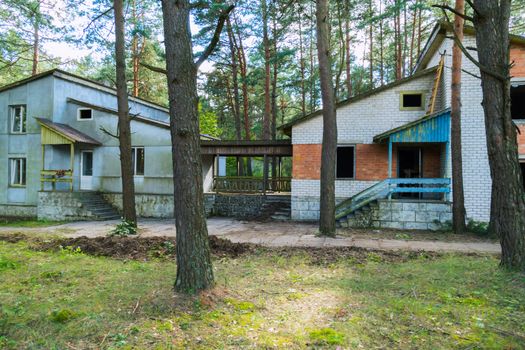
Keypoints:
pixel 250 184
pixel 386 188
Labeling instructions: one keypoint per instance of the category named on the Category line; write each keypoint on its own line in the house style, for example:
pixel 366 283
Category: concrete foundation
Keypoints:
pixel 59 206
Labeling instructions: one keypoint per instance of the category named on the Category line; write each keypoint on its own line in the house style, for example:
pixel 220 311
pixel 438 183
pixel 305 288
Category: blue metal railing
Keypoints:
pixel 386 188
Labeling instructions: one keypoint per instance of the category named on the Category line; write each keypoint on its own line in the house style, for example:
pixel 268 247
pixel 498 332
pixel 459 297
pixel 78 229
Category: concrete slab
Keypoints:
pixel 273 233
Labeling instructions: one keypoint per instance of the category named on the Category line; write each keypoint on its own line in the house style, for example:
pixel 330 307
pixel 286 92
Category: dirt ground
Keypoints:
pixel 148 248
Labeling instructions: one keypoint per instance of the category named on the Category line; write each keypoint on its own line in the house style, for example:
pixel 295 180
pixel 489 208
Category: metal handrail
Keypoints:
pixel 387 187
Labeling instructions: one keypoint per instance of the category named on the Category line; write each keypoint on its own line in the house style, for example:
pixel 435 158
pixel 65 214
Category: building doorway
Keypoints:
pixel 409 165
pixel 86 170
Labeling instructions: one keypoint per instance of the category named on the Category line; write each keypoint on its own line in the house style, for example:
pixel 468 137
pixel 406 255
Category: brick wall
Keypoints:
pixel 432 161
pixel 517 55
pixel 306 164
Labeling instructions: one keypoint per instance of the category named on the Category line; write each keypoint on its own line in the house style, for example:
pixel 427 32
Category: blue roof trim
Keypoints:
pixel 431 128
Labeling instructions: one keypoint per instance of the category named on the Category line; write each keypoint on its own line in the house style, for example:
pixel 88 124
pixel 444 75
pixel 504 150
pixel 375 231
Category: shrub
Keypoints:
pixel 124 228
pixel 478 227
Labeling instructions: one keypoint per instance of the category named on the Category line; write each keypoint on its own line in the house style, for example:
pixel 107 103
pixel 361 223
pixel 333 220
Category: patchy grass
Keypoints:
pixel 30 223
pixel 266 300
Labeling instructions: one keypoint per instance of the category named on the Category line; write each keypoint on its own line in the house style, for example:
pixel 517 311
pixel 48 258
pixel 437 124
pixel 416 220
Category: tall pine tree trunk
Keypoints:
pixel 458 198
pixel 36 44
pixel 194 267
pixel 329 147
pixel 302 68
pixel 124 128
pixel 245 101
pixel 507 217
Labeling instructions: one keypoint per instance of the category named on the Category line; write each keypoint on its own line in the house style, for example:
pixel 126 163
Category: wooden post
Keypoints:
pixel 43 166
pixel 216 172
pixel 389 163
pixel 72 162
pixel 447 172
pixel 265 173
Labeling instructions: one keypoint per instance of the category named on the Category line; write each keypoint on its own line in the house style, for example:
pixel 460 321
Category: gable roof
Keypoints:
pixel 439 33
pixel 286 128
pixel 62 74
pixel 68 132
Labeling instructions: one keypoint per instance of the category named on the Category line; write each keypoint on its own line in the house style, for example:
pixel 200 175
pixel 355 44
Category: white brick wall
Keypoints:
pixel 476 171
pixel 360 121
pixel 343 188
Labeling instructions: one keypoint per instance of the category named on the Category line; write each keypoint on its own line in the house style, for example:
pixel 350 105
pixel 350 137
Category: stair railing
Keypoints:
pixel 386 188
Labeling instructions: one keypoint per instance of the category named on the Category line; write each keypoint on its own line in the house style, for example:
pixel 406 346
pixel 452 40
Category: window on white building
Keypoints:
pixel 345 162
pixel 137 159
pixel 18 119
pixel 17 171
pixel 412 101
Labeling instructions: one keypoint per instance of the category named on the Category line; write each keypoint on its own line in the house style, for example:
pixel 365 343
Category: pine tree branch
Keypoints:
pixel 153 68
pixel 448 8
pixel 98 17
pixel 471 4
pixel 216 36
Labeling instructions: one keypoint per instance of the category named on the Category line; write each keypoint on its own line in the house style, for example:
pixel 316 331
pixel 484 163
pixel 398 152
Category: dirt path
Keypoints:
pixel 271 234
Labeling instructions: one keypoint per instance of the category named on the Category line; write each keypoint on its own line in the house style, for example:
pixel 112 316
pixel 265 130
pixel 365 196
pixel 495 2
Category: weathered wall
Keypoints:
pixel 38 98
pixel 155 205
pixel 238 205
pixel 19 211
pixel 61 206
pixel 412 215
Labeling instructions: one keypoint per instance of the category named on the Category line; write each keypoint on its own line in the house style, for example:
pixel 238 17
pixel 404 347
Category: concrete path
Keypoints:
pixel 271 234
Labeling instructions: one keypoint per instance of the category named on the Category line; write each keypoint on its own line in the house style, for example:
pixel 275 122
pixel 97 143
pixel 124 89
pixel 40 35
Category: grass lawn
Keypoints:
pixel 70 300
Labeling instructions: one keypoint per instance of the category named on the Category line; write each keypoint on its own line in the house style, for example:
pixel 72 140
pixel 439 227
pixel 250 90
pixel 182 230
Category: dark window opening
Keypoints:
pixel 517 102
pixel 85 114
pixel 345 162
pixel 412 100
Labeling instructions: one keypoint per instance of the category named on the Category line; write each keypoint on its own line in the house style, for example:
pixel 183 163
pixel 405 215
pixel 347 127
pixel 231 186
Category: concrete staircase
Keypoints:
pixel 362 217
pixel 98 207
pixel 276 207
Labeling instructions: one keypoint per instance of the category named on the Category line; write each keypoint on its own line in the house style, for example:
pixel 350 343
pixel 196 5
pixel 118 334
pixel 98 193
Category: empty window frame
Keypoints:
pixel 345 168
pixel 137 160
pixel 517 100
pixel 84 114
pixel 18 119
pixel 17 172
pixel 412 100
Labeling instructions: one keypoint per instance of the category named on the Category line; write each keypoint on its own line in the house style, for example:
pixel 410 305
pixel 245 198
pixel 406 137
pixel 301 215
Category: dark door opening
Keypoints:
pixel 409 165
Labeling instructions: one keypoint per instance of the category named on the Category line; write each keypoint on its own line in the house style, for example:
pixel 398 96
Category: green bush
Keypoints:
pixel 124 228
pixel 478 228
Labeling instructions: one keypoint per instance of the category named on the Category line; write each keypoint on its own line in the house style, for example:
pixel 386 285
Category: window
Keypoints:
pixel 18 119
pixel 17 172
pixel 412 101
pixel 137 160
pixel 84 114
pixel 517 101
pixel 345 162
